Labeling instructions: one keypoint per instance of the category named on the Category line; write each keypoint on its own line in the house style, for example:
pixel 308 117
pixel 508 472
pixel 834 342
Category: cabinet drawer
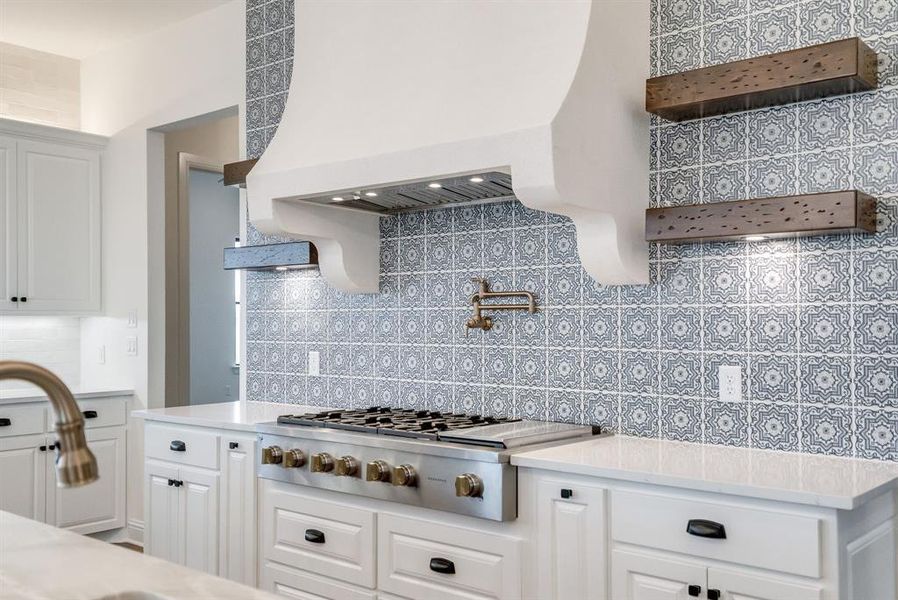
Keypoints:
pixel 327 538
pixel 293 583
pixel 422 559
pixel 22 419
pixel 102 412
pixel 754 537
pixel 200 448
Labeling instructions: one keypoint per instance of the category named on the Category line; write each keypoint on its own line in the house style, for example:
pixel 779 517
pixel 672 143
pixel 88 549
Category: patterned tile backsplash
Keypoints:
pixel 813 323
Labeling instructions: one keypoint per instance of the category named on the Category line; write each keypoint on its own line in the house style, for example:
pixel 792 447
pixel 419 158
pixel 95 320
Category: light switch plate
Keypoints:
pixel 132 318
pixel 131 346
pixel 314 362
pixel 730 383
pixel 101 354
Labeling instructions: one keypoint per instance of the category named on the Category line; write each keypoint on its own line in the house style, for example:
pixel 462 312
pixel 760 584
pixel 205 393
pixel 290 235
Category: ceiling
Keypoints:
pixel 81 28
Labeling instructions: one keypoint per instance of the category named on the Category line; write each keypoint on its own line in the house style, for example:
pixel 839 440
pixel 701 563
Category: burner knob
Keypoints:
pixel 294 458
pixel 377 470
pixel 347 466
pixel 404 475
pixel 322 462
pixel 272 455
pixel 468 485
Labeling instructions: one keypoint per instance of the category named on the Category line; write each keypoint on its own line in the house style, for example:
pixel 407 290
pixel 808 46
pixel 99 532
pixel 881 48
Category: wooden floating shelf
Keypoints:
pixel 828 69
pixel 271 257
pixel 827 213
pixel 235 173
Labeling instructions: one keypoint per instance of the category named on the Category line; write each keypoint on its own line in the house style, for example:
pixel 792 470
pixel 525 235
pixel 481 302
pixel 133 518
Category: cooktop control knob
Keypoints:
pixel 404 475
pixel 272 455
pixel 347 466
pixel 468 485
pixel 377 470
pixel 322 462
pixel 294 459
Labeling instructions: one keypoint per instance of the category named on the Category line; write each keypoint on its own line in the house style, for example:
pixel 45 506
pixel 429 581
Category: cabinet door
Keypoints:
pixel 58 215
pixel 238 508
pixel 23 481
pixel 161 511
pixel 8 225
pixel 737 585
pixel 99 506
pixel 570 540
pixel 638 576
pixel 198 519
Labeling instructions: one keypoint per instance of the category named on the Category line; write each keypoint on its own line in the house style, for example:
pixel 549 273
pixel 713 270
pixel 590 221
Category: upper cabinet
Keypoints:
pixel 50 219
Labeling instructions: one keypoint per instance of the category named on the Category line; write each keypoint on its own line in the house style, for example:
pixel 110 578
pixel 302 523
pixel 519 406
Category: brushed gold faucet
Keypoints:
pixel 75 463
pixel 481 321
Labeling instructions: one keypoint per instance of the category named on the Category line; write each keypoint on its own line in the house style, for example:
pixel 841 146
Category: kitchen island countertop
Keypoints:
pixel 237 416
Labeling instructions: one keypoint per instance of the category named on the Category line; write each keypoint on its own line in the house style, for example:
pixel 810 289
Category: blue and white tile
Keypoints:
pixel 639 416
pixel 824 172
pixel 877 434
pixel 876 275
pixel 726 41
pixel 877 382
pixel 725 281
pixel 680 52
pixel 726 423
pixel 681 328
pixel 774 378
pixel 824 21
pixel 600 409
pixel 681 419
pixel 725 329
pixel 826 379
pixel 638 372
pixel 876 329
pixel 827 430
pixel 681 374
pixel 826 328
pixel 564 406
pixel 773 31
pixel 724 139
pixel 775 427
pixel 773 328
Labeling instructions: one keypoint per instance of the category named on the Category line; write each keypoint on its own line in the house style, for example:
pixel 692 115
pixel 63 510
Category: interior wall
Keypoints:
pixel 214 139
pixel 192 67
pixel 39 87
pixel 52 342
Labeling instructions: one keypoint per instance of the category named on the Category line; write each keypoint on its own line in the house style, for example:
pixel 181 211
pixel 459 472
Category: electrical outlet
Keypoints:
pixel 227 391
pixel 131 346
pixel 101 354
pixel 314 362
pixel 729 379
pixel 132 318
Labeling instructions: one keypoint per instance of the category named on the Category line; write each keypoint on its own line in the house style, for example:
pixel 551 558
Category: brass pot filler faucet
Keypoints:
pixel 479 321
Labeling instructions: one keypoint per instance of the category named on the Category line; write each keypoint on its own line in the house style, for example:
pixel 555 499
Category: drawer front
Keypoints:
pixel 292 583
pixel 322 537
pixel 22 419
pixel 421 559
pixel 754 537
pixel 103 412
pixel 183 446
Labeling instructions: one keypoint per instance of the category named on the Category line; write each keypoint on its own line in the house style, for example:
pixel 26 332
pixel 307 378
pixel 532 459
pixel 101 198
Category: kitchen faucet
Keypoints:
pixel 75 463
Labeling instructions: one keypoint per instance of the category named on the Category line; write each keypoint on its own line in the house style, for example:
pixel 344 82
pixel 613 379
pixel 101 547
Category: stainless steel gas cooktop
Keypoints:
pixel 440 460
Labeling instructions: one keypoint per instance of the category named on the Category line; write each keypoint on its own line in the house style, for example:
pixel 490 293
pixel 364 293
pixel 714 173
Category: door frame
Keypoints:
pixel 177 297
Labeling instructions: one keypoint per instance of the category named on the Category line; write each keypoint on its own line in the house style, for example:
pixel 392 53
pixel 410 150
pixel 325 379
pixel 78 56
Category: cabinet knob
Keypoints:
pixel 694 590
pixel 713 594
pixel 23 299
pixel 233 445
pixel 14 299
pixel 567 494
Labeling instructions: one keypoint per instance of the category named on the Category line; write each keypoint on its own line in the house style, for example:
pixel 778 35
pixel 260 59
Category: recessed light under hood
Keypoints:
pixel 415 101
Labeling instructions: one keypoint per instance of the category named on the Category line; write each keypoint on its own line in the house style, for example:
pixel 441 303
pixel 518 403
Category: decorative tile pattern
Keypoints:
pixel 813 323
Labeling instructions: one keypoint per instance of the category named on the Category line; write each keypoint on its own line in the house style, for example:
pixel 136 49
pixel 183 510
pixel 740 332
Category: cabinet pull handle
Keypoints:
pixel 694 590
pixel 177 446
pixel 178 483
pixel 53 446
pixel 713 594
pixel 233 445
pixel 567 494
pixel 89 414
pixel 442 565
pixel 314 536
pixel 14 299
pixel 4 422
pixel 171 482
pixel 706 529
pixel 42 448
pixel 23 299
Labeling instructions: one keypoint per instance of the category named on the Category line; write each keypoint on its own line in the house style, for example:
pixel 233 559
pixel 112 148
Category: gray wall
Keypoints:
pixel 813 323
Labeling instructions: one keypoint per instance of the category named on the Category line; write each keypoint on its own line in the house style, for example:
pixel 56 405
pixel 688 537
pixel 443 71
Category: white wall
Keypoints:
pixel 52 342
pixel 190 68
pixel 39 87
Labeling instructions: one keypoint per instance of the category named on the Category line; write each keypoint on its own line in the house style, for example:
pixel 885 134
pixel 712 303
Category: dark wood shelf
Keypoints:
pixel 828 69
pixel 235 173
pixel 826 213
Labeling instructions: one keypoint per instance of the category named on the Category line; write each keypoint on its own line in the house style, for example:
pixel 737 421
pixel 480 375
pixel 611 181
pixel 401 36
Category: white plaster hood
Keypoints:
pixel 385 93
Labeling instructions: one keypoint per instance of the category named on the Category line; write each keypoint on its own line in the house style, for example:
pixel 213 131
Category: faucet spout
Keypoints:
pixel 75 463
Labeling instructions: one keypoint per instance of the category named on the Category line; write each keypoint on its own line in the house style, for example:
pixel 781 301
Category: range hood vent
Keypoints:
pixel 271 257
pixel 414 102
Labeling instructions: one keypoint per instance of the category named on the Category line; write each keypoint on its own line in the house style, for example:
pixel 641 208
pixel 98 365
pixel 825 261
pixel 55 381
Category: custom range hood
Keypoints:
pixel 407 105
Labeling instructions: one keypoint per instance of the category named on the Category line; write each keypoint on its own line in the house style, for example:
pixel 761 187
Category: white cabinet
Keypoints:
pixel 640 576
pixel 28 483
pixel 50 220
pixel 570 540
pixel 238 508
pixel 741 585
pixel 200 500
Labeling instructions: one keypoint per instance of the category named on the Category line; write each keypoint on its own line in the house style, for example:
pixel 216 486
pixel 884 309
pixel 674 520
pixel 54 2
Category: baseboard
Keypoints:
pixel 135 531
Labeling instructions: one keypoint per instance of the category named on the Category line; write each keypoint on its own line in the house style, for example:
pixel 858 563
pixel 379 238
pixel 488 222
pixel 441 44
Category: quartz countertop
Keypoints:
pixel 41 562
pixel 238 416
pixel 833 482
pixel 36 395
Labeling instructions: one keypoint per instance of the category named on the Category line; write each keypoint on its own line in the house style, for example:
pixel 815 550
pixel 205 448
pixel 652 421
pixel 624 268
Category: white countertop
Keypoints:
pixel 36 395
pixel 791 477
pixel 224 415
pixel 41 562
